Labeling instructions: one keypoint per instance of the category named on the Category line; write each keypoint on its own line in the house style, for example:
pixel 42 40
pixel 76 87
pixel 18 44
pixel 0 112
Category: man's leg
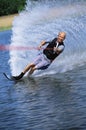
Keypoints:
pixel 27 68
pixel 31 66
pixel 32 70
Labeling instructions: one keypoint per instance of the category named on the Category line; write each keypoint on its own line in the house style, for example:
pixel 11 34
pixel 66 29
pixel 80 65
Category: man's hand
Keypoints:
pixel 55 49
pixel 42 43
pixel 39 47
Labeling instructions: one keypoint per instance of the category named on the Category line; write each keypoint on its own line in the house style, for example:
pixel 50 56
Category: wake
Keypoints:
pixel 43 22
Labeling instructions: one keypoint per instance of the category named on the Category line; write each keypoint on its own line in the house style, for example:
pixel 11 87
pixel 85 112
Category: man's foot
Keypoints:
pixel 17 77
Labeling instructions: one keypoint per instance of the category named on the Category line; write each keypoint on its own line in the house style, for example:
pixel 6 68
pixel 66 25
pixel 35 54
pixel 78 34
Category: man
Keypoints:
pixel 53 49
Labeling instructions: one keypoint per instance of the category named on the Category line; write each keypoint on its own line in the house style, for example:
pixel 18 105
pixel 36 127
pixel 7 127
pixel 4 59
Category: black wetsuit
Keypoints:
pixel 49 50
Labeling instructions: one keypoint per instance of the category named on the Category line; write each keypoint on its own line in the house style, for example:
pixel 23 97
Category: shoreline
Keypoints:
pixel 6 22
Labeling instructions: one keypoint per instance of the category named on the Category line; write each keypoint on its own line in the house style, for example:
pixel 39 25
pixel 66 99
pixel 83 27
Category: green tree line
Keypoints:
pixel 11 6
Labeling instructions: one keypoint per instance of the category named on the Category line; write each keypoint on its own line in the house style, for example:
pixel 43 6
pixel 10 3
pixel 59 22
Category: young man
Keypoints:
pixel 53 49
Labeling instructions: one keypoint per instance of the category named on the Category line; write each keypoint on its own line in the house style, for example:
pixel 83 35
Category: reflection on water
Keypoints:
pixel 56 102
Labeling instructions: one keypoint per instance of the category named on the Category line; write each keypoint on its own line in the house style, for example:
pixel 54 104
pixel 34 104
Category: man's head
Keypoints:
pixel 61 37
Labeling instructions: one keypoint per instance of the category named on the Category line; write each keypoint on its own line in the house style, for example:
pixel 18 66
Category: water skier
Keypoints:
pixel 43 61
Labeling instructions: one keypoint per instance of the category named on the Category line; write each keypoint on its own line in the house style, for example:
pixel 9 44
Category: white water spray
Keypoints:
pixel 42 21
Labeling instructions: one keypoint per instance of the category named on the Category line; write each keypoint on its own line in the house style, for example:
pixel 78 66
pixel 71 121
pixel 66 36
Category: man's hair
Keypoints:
pixel 64 33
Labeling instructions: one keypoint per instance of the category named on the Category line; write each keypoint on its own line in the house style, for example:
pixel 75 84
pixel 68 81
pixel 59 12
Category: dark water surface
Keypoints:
pixel 55 102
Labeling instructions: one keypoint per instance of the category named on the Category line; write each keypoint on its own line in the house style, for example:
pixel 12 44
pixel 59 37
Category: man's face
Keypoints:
pixel 61 37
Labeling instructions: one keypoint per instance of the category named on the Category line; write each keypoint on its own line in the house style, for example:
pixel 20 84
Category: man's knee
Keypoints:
pixel 32 65
pixel 33 68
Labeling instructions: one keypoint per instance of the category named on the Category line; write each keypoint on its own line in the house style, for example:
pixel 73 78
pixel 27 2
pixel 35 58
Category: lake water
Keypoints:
pixel 54 99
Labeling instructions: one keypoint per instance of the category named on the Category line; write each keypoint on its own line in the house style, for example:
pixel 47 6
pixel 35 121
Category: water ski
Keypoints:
pixel 9 77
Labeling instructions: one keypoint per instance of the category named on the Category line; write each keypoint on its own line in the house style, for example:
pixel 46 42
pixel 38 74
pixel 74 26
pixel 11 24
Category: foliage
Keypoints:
pixel 11 6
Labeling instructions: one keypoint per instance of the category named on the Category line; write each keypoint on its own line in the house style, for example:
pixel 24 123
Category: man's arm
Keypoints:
pixel 43 43
pixel 46 42
pixel 59 49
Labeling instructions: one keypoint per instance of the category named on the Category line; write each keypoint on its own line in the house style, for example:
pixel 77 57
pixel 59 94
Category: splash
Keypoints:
pixel 42 21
